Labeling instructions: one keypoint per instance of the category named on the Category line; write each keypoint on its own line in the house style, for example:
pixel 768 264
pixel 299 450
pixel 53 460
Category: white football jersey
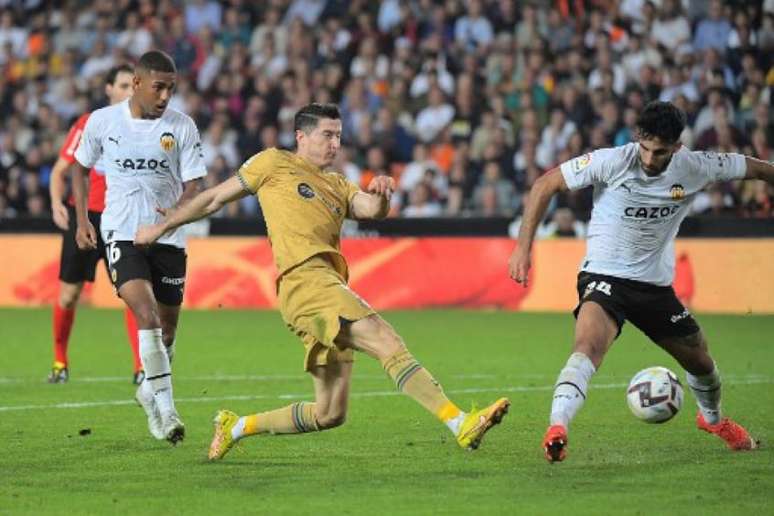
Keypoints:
pixel 145 163
pixel 635 217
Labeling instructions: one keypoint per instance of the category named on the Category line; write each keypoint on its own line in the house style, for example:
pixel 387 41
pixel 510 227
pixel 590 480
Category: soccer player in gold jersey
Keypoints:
pixel 304 205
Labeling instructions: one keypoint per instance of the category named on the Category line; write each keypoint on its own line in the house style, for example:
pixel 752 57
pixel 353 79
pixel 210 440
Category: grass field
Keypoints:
pixel 390 457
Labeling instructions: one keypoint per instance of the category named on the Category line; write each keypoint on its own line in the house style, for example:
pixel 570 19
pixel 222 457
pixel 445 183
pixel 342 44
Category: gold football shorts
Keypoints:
pixel 313 298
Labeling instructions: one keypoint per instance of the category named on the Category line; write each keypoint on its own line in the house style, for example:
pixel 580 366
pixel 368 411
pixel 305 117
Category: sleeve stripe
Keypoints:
pixel 243 182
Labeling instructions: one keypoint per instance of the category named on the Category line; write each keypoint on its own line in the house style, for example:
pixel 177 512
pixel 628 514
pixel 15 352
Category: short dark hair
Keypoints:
pixel 110 77
pixel 308 116
pixel 662 120
pixel 157 61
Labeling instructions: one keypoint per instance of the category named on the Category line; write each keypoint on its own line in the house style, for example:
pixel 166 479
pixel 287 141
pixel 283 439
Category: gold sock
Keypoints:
pixel 414 380
pixel 294 419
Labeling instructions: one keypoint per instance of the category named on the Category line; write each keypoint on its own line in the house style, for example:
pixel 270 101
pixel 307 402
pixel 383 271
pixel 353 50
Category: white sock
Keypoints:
pixel 455 423
pixel 706 389
pixel 158 374
pixel 238 429
pixel 570 389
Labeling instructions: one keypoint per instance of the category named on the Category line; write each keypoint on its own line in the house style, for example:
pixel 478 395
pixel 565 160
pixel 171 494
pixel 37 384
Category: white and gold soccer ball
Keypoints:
pixel 655 395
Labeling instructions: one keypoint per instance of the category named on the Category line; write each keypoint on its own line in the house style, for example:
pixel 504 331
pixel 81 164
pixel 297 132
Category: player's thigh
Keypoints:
pixel 131 277
pixel 600 315
pixel 595 331
pixel 138 296
pixel 168 268
pixel 331 389
pixel 371 335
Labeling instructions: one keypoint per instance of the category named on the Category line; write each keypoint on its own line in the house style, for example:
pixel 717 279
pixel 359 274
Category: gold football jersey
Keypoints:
pixel 304 206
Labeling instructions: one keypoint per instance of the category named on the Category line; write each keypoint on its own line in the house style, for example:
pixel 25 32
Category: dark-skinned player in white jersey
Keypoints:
pixel 152 157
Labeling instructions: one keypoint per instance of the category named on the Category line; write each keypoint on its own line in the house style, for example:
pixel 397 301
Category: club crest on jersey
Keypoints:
pixel 167 141
pixel 677 192
pixel 305 191
pixel 581 162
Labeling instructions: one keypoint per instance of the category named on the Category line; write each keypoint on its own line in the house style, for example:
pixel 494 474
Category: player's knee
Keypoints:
pixel 331 419
pixel 389 341
pixel 591 348
pixel 147 318
pixel 68 297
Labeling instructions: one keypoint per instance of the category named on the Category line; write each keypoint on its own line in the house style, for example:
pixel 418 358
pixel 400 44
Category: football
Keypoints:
pixel 655 395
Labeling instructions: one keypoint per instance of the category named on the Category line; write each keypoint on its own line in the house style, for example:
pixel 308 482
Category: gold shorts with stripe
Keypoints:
pixel 313 298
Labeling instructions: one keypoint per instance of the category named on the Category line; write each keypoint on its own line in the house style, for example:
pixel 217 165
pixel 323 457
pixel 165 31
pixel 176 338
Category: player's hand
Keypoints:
pixel 61 216
pixel 518 267
pixel 382 185
pixel 86 237
pixel 146 235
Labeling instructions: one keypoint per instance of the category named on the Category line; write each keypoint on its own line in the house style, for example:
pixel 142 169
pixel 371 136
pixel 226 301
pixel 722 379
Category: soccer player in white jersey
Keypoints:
pixel 152 159
pixel 642 192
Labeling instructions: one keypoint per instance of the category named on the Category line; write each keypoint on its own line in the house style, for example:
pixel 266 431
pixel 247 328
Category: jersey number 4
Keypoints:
pixel 602 286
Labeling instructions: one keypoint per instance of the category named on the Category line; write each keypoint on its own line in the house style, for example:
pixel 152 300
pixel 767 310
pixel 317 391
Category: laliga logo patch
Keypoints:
pixel 677 192
pixel 581 162
pixel 305 191
pixel 167 142
pixel 114 275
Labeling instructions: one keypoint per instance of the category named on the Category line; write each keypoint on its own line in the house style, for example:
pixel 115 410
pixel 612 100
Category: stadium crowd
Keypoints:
pixel 464 103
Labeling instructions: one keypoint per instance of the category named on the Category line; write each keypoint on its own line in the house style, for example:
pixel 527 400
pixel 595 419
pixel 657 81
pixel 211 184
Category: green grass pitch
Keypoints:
pixel 390 457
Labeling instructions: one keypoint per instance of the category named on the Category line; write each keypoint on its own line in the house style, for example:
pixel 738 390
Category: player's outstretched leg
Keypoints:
pixel 331 388
pixel 377 338
pixel 297 418
pixel 595 332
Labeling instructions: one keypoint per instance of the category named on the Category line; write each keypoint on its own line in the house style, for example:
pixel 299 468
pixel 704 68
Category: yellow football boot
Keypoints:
pixel 478 422
pixel 222 441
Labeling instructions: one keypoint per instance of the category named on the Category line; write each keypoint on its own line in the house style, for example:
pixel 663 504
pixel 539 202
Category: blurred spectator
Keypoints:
pixel 563 225
pixel 421 204
pixel 473 31
pixel 202 13
pixel 435 117
pixel 720 203
pixel 494 196
pixel 670 28
pixel 308 11
pixel 712 31
pixel 482 84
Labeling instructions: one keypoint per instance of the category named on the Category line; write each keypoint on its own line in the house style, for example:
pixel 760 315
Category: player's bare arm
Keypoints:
pixel 204 204
pixel 56 190
pixel 85 235
pixel 759 169
pixel 537 203
pixel 376 203
pixel 190 189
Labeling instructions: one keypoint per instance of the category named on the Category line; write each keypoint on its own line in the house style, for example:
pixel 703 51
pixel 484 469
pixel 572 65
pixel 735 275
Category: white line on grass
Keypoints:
pixel 302 377
pixel 365 394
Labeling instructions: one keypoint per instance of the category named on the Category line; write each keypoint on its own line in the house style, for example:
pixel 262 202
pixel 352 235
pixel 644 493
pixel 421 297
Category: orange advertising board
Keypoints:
pixel 713 275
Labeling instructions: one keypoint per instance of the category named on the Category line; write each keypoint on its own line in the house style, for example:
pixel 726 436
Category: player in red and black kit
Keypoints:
pixel 77 266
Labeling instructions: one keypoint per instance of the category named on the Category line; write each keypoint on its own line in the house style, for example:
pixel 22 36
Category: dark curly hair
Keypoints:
pixel 662 120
